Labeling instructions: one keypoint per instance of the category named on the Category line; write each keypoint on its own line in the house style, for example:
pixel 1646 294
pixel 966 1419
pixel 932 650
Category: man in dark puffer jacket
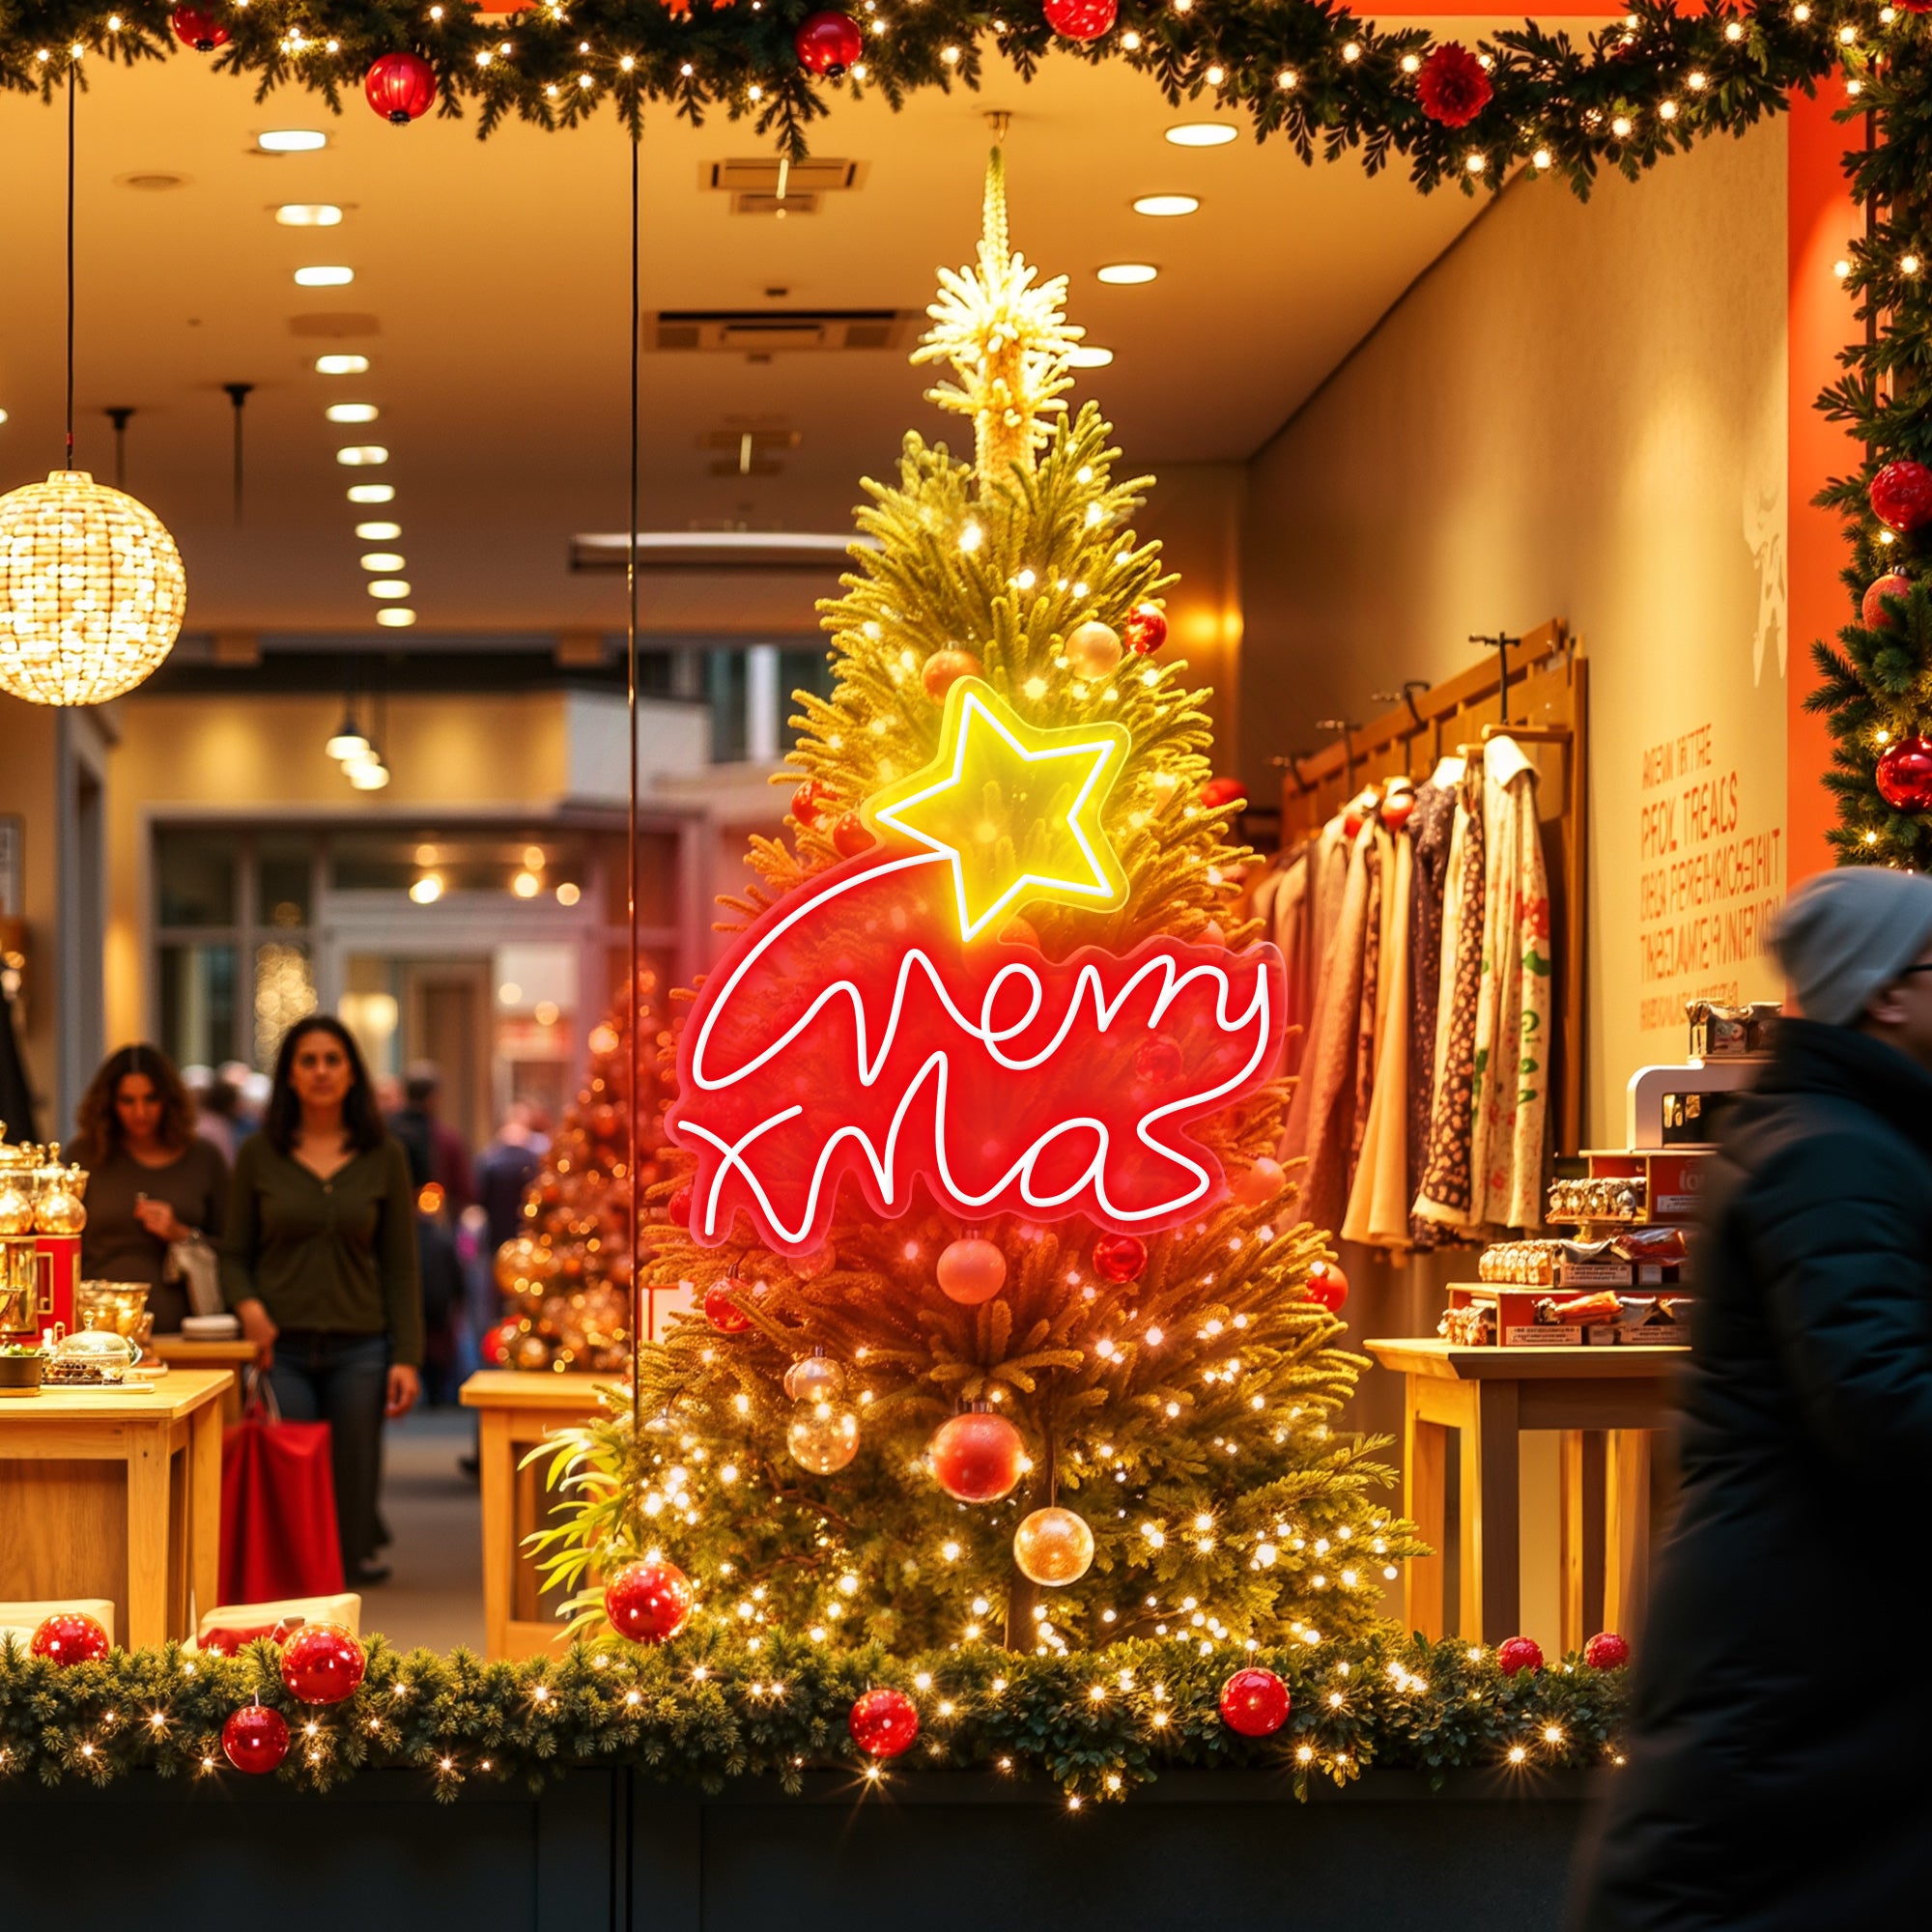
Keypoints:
pixel 1780 1756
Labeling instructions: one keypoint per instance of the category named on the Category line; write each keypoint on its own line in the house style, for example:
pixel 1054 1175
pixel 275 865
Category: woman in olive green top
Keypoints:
pixel 319 1262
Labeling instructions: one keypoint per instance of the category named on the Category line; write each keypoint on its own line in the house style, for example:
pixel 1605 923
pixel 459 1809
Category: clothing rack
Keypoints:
pixel 1535 690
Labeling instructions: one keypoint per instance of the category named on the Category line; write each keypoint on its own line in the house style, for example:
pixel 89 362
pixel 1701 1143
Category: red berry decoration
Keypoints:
pixel 1519 1652
pixel 1453 86
pixel 68 1637
pixel 1146 629
pixel 678 1207
pixel 401 87
pixel 1119 1256
pixel 1905 774
pixel 828 44
pixel 1081 20
pixel 199 28
pixel 1218 793
pixel 322 1664
pixel 850 837
pixel 975 1458
pixel 255 1739
pixel 1901 495
pixel 649 1603
pixel 1871 607
pixel 1607 1650
pixel 720 1311
pixel 806 801
pixel 884 1722
pixel 1255 1703
pixel 1327 1284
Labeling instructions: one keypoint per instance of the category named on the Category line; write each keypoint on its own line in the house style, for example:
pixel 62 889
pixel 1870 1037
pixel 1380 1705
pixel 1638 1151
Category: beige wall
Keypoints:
pixel 1577 414
pixel 1195 510
pixel 29 765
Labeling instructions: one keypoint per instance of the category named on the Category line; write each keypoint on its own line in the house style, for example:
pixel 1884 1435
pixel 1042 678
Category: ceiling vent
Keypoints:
pixel 773 185
pixel 766 332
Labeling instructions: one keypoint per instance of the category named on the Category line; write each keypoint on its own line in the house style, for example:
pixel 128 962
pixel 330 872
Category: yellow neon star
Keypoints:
pixel 1015 807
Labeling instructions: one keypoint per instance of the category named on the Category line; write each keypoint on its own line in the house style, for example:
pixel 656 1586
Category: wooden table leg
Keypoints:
pixel 1581 1535
pixel 147 1536
pixel 496 1454
pixel 204 1510
pixel 1627 1582
pixel 1425 1501
pixel 1491 1504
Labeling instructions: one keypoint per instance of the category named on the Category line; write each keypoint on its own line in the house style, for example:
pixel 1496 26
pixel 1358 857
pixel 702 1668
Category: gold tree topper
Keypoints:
pixel 1008 340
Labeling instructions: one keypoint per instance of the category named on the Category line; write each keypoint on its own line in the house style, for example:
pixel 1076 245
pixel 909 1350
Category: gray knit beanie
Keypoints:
pixel 1844 934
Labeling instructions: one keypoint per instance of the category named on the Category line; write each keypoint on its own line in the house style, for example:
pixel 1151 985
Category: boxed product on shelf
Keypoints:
pixel 1501 1314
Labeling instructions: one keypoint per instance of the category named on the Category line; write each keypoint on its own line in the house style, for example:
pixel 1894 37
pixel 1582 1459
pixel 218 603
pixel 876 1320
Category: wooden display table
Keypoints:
pixel 516 1409
pixel 117 1493
pixel 231 1357
pixel 1604 1402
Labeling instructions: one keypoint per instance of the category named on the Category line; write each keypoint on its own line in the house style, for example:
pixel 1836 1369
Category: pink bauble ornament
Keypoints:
pixel 1261 1183
pixel 975 1458
pixel 828 44
pixel 322 1664
pixel 1119 1257
pixel 971 1271
pixel 1904 775
pixel 1081 20
pixel 255 1739
pixel 1094 648
pixel 1519 1652
pixel 943 669
pixel 68 1637
pixel 1146 629
pixel 884 1722
pixel 1254 1702
pixel 1606 1651
pixel 1053 1548
pixel 1327 1284
pixel 1901 495
pixel 1871 607
pixel 649 1603
pixel 721 1311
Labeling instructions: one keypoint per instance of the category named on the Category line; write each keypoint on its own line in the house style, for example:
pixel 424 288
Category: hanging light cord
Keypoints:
pixel 73 73
pixel 640 1299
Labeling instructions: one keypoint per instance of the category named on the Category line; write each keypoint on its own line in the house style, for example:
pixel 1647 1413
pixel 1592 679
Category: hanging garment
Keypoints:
pixel 1512 1063
pixel 1282 901
pixel 1431 826
pixel 1379 1195
pixel 1379 858
pixel 1443 1199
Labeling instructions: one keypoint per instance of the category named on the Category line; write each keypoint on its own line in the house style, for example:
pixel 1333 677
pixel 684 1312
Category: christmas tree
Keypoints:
pixel 568 1273
pixel 1001 1331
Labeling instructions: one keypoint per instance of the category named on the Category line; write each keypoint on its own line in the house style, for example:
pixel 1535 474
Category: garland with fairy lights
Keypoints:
pixel 716 1707
pixel 1321 78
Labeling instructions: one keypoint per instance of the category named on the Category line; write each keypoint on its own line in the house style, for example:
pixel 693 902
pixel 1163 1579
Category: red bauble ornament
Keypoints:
pixel 971 1271
pixel 850 837
pixel 884 1722
pixel 1901 495
pixel 1081 20
pixel 678 1207
pixel 807 800
pixel 975 1458
pixel 68 1637
pixel 1146 629
pixel 943 669
pixel 1871 607
pixel 401 87
pixel 322 1664
pixel 1453 86
pixel 720 1311
pixel 255 1739
pixel 1119 1256
pixel 1218 793
pixel 1519 1652
pixel 649 1603
pixel 828 44
pixel 1160 1059
pixel 1255 1703
pixel 1327 1284
pixel 502 1339
pixel 1905 774
pixel 1607 1650
pixel 199 28
pixel 1261 1183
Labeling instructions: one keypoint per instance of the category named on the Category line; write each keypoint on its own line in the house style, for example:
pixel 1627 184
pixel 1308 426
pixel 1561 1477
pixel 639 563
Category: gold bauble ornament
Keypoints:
pixel 814 1378
pixel 822 1439
pixel 1093 649
pixel 1054 1546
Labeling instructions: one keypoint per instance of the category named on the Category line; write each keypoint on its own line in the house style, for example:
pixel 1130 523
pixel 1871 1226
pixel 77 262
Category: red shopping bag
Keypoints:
pixel 278 1506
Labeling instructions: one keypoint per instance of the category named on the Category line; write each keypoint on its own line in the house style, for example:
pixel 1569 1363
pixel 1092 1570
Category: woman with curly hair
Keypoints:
pixel 152 1182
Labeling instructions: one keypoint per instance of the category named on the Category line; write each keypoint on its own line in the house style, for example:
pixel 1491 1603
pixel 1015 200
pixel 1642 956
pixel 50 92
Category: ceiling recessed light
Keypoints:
pixel 381 559
pixel 351 413
pixel 1202 134
pixel 396 617
pixel 342 365
pixel 379 532
pixel 327 277
pixel 292 140
pixel 308 215
pixel 1166 204
pixel 372 493
pixel 387 586
pixel 362 455
pixel 1127 275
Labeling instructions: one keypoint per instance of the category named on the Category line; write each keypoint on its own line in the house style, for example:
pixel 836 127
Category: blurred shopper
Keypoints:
pixel 211 1122
pixel 1767 1790
pixel 242 1095
pixel 157 1191
pixel 320 1264
pixel 504 1172
pixel 437 1154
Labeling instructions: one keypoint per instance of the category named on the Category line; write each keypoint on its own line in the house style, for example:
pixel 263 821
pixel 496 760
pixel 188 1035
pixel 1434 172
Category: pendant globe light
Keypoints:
pixel 92 591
